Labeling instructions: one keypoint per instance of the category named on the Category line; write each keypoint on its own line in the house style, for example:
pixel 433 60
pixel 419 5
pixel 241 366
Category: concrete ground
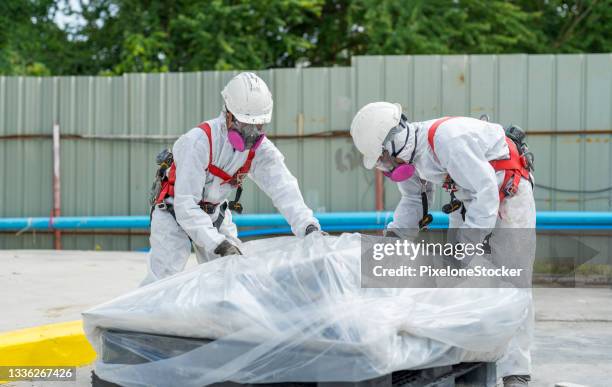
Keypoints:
pixel 572 343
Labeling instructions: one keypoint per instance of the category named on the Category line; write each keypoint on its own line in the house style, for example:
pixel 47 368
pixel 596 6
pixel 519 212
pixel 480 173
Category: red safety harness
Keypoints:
pixel 235 180
pixel 515 167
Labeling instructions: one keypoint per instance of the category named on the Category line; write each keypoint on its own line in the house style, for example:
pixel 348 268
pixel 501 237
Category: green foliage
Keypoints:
pixel 118 36
pixel 573 26
pixel 443 27
pixel 30 42
pixel 248 34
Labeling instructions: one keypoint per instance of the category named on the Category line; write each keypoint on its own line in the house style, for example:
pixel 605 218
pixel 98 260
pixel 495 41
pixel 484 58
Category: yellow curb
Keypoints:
pixel 62 344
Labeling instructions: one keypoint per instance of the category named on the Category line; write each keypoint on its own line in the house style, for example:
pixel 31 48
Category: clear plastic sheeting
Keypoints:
pixel 293 310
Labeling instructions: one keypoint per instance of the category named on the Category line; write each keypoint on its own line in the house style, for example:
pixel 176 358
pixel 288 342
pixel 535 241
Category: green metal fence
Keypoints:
pixel 114 126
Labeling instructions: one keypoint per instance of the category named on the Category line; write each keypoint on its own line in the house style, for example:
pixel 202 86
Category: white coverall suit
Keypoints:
pixel 463 148
pixel 171 239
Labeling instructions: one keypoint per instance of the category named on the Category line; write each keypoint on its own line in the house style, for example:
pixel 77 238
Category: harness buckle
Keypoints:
pixel 449 185
pixel 165 207
pixel 208 207
pixel 238 179
pixel 235 206
pixel 425 221
pixel 510 189
pixel 451 207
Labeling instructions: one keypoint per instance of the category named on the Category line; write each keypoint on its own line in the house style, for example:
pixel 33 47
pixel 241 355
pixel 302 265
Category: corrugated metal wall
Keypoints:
pixel 104 177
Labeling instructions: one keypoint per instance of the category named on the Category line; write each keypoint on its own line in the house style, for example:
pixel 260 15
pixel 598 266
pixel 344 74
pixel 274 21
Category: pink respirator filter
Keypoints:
pixel 400 173
pixel 235 138
pixel 258 142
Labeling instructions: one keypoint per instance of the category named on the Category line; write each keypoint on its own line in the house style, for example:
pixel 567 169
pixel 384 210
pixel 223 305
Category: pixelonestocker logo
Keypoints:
pixel 397 263
pixel 459 251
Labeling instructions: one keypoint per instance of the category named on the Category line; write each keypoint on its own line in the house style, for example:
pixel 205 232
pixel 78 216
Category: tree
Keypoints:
pixel 180 35
pixel 443 27
pixel 573 26
pixel 30 42
pixel 119 36
pixel 243 35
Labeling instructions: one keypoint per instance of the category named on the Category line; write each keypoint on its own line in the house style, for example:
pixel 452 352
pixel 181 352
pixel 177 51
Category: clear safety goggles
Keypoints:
pixel 386 162
pixel 248 129
pixel 252 134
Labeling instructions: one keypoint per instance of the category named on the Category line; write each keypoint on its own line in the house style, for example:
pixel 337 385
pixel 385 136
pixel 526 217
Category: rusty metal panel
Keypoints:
pixel 286 120
pixel 256 200
pixel 598 115
pixel 368 83
pixel 427 87
pixel 346 167
pixel 569 149
pixel 512 89
pixel 27 107
pixel 111 177
pixel 3 149
pixel 482 80
pixel 14 153
pixel 540 116
pixel 455 95
pixel 76 116
pixel 316 160
pixel 398 87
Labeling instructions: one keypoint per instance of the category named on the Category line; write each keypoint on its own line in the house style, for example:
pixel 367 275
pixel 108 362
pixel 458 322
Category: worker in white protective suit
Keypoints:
pixel 468 156
pixel 207 164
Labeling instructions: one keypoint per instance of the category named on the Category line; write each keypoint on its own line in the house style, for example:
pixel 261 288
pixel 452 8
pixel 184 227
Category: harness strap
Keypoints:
pixel 432 131
pixel 236 179
pixel 170 208
pixel 514 168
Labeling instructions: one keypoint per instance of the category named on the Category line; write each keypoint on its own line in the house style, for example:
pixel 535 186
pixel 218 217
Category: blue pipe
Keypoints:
pixel 347 228
pixel 439 218
pixel 574 217
pixel 327 218
pixel 74 222
pixel 287 230
pixel 332 221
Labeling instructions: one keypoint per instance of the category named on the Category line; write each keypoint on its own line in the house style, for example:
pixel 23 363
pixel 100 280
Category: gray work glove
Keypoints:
pixel 312 228
pixel 516 380
pixel 226 248
pixel 389 233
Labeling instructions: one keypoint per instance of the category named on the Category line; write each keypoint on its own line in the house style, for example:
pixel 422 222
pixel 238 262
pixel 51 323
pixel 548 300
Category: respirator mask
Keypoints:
pixel 387 162
pixel 245 136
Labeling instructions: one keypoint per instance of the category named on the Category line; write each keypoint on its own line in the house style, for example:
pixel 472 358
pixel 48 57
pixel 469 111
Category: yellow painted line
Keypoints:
pixel 62 344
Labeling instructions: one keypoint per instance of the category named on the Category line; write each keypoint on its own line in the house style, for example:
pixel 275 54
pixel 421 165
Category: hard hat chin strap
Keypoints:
pixel 401 126
pixel 243 136
pixel 404 171
pixel 396 153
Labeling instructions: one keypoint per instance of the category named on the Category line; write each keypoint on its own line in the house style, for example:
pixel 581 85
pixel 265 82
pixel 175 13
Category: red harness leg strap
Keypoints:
pixel 514 167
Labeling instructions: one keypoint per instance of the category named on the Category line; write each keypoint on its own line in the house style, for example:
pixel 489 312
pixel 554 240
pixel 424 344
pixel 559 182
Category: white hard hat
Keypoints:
pixel 248 98
pixel 370 127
